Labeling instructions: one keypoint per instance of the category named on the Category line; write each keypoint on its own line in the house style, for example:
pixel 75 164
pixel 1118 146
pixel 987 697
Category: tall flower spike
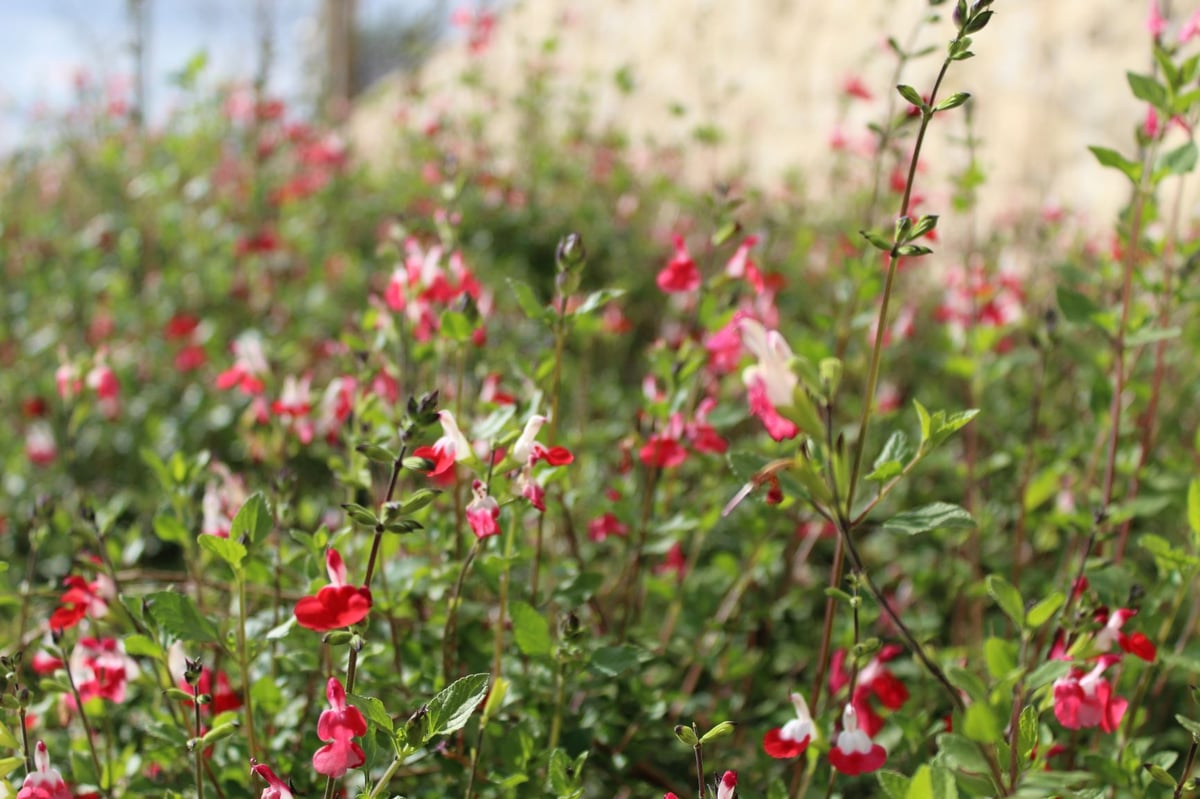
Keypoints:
pixel 337 604
pixel 338 726
pixel 451 448
pixel 854 752
pixel 43 782
pixel 792 738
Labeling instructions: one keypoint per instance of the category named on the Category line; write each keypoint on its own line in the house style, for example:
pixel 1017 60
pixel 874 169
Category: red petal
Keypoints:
pixel 777 746
pixel 1138 644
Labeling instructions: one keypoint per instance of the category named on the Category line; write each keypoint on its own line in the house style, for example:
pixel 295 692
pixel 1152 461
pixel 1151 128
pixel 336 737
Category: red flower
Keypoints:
pixel 101 668
pixel 528 451
pixel 727 785
pixel 80 599
pixel 854 752
pixel 1136 644
pixel 43 782
pixel 874 679
pixel 680 274
pixel 1087 700
pixel 447 450
pixel 602 527
pixel 338 726
pixel 662 451
pixel 336 605
pixel 792 738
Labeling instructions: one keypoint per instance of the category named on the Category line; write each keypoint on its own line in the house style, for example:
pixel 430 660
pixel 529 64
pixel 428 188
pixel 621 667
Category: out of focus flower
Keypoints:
pixel 483 511
pixel 680 274
pixel 44 782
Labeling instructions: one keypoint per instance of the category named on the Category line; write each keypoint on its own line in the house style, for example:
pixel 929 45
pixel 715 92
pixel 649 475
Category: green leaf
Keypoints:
pixel 170 530
pixel 1076 308
pixel 530 305
pixel 891 461
pixel 1007 597
pixel 877 240
pixel 1148 90
pixel 894 784
pixel 253 519
pixel 531 630
pixel 227 549
pixel 566 776
pixel 1044 610
pixel 177 614
pixel 1193 508
pixel 981 724
pixel 450 709
pixel 968 682
pixel 596 300
pixel 610 661
pixel 1047 673
pixel 999 657
pixel 962 752
pixel 911 95
pixel 932 782
pixel 1167 558
pixel 373 709
pixel 1190 725
pixel 456 325
pixel 142 646
pixel 953 101
pixel 1114 160
pixel 1027 731
pixel 1151 335
pixel 926 422
pixel 1179 161
pixel 936 516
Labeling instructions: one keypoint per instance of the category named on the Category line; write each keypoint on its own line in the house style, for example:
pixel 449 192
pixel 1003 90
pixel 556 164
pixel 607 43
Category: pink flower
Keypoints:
pixel 101 669
pixel 725 345
pixel 276 788
pixel 1191 28
pixel 673 561
pixel 854 752
pixel 79 600
pixel 602 527
pixel 776 425
pixel 43 782
pixel 773 368
pixel 1087 700
pixel 337 604
pixel 338 726
pixel 451 448
pixel 792 738
pixel 1150 127
pixel 40 447
pixel 740 265
pixel 1156 24
pixel 853 86
pixel 483 511
pixel 680 274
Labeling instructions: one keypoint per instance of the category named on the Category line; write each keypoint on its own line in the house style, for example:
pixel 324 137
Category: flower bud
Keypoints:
pixel 686 735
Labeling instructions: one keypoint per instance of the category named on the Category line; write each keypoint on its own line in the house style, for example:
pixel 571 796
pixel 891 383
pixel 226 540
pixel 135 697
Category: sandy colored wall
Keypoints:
pixel 1048 79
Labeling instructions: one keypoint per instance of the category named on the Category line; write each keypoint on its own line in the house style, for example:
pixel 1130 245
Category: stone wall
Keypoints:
pixel 1048 80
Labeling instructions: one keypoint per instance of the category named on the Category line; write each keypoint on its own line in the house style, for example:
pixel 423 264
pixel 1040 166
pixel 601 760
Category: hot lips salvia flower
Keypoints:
pixel 337 604
pixel 43 782
pixel 338 726
pixel 854 752
pixel 792 738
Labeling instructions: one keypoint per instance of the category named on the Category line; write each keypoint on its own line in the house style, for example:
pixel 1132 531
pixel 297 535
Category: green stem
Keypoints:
pixel 385 779
pixel 87 729
pixel 699 749
pixel 198 751
pixel 560 688
pixel 244 663
pixel 450 633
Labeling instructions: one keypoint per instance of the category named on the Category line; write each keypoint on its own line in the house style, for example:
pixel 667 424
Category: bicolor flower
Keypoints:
pixel 875 679
pixel 337 604
pixel 1133 643
pixel 1087 700
pixel 276 788
pixel 100 668
pixel 603 526
pixel 338 726
pixel 44 782
pixel 680 274
pixel 773 369
pixel 727 785
pixel 528 451
pixel 451 448
pixel 854 752
pixel 248 368
pixel 81 599
pixel 792 738
pixel 483 511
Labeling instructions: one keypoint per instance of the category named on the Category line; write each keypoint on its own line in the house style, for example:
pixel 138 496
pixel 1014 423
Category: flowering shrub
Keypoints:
pixel 451 479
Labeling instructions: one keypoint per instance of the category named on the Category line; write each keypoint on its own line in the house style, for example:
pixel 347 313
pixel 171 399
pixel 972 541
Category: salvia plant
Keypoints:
pixel 452 478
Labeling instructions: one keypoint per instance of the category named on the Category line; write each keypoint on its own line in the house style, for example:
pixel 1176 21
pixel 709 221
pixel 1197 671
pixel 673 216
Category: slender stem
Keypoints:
pixel 450 633
pixel 835 579
pixel 699 750
pixel 386 778
pixel 198 752
pixel 502 612
pixel 475 761
pixel 1187 769
pixel 87 730
pixel 864 421
pixel 1014 723
pixel 560 688
pixel 25 742
pixel 244 663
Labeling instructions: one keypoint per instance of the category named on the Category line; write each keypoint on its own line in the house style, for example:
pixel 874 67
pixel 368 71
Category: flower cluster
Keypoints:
pixel 852 753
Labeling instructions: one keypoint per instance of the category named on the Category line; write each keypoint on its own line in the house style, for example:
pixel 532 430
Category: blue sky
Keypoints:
pixel 43 42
